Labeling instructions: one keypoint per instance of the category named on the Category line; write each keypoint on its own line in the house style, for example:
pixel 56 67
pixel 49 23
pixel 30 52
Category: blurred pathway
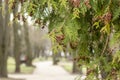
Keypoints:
pixel 46 71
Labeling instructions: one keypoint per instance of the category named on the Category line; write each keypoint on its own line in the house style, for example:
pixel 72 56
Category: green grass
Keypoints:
pixel 41 59
pixel 68 68
pixel 24 69
pixel 36 60
pixel 67 65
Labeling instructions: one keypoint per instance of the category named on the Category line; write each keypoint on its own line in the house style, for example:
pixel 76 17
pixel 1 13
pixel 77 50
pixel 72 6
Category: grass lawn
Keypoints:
pixel 24 69
pixel 67 65
pixel 41 59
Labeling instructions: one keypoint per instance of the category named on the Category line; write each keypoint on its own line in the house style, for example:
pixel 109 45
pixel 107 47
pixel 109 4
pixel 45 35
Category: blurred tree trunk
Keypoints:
pixel 16 30
pixel 75 67
pixel 56 58
pixel 4 19
pixel 74 70
pixel 37 52
pixel 16 47
pixel 28 45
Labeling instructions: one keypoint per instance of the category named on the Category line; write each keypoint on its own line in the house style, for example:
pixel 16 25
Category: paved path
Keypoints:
pixel 46 71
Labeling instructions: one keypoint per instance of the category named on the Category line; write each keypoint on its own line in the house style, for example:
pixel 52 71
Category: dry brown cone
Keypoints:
pixel 107 17
pixel 75 3
pixel 87 3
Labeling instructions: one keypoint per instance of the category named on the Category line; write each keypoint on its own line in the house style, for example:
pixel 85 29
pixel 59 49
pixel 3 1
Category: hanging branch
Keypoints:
pixel 106 45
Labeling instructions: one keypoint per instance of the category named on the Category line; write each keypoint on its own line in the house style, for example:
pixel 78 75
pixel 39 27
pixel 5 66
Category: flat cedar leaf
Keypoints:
pixel 83 8
pixel 94 5
pixel 48 2
pixel 63 3
pixel 116 14
pixel 44 1
pixel 96 24
pixel 103 29
pixel 54 5
pixel 106 29
pixel 76 12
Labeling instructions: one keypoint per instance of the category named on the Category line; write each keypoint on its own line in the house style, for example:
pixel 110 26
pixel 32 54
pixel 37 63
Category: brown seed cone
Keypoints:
pixel 75 3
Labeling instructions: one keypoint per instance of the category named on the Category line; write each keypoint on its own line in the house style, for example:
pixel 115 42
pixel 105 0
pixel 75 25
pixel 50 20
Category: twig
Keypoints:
pixel 105 47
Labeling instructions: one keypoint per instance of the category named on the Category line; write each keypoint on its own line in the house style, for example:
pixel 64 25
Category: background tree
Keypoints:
pixel 4 37
pixel 17 32
pixel 28 45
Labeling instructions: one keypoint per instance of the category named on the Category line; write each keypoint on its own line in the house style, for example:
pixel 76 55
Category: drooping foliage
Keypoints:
pixel 87 25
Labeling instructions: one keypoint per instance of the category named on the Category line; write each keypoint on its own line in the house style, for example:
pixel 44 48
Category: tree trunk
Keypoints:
pixel 74 70
pixel 55 58
pixel 16 47
pixel 75 67
pixel 4 19
pixel 16 27
pixel 28 45
pixel 3 64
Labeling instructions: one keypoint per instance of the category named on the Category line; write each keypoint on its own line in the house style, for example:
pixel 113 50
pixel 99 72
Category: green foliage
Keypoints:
pixel 115 39
pixel 11 5
pixel 70 31
pixel 106 28
pixel 96 24
pixel 116 14
pixel 116 57
pixel 88 23
pixel 76 13
pixel 63 3
pixel 83 8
